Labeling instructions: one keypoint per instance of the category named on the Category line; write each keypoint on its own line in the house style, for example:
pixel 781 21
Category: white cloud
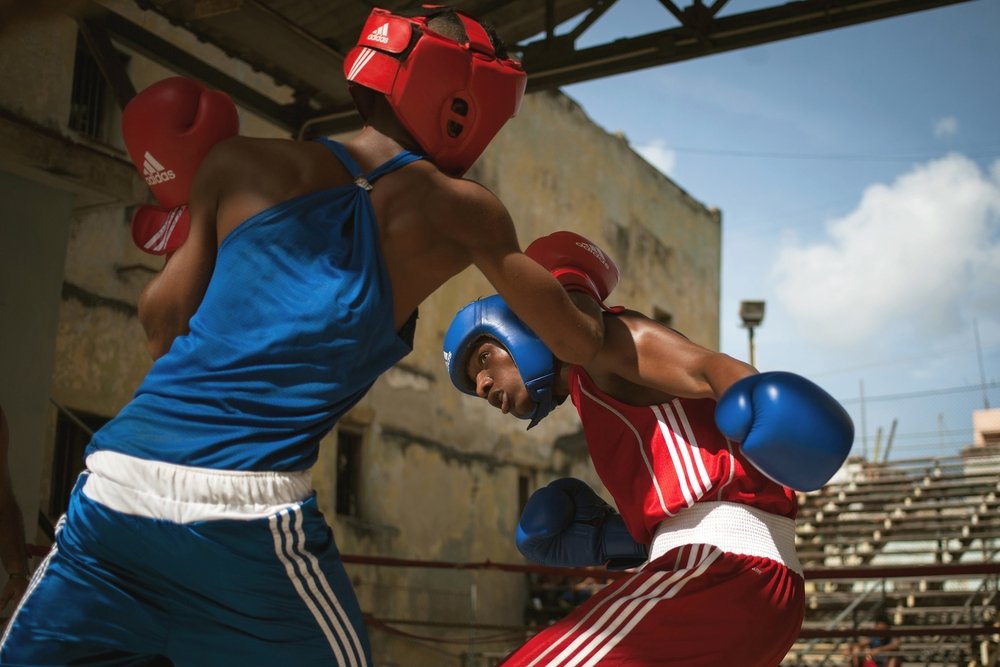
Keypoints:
pixel 946 127
pixel 657 154
pixel 912 262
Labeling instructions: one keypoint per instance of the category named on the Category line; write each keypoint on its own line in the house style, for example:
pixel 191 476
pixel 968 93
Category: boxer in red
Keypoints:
pixel 699 452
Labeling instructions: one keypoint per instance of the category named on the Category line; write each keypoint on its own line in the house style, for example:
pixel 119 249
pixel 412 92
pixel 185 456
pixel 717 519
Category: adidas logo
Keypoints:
pixel 379 34
pixel 364 57
pixel 154 172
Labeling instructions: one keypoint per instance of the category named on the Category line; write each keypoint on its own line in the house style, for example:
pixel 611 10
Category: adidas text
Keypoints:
pixel 593 250
pixel 161 177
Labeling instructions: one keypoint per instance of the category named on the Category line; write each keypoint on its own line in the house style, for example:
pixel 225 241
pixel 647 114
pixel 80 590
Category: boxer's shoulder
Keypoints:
pixel 446 216
pixel 634 341
pixel 242 176
pixel 274 169
pixel 458 201
pixel 233 159
pixel 240 148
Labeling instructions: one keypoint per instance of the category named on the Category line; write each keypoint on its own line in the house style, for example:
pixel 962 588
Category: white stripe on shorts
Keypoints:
pixel 313 587
pixel 610 628
pixel 642 606
pixel 36 579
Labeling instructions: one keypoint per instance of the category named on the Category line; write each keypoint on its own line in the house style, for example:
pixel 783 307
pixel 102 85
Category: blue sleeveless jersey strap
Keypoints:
pixel 341 154
pixel 397 161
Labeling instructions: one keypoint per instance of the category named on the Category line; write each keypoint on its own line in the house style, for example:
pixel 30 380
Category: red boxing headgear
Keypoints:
pixel 453 98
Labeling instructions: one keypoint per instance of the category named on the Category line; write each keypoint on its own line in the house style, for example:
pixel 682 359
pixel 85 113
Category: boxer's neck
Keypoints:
pixel 560 385
pixel 383 121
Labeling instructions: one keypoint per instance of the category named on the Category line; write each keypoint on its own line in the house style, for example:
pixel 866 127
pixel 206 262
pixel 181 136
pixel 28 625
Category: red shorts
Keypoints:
pixel 695 606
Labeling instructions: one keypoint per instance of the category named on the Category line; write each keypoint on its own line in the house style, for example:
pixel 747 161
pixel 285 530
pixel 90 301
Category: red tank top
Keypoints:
pixel 657 460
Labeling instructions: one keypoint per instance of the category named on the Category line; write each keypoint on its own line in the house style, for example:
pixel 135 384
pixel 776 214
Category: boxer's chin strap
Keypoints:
pixel 544 404
pixel 540 388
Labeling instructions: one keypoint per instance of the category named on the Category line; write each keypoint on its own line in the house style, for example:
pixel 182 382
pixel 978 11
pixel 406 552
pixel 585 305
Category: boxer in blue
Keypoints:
pixel 194 536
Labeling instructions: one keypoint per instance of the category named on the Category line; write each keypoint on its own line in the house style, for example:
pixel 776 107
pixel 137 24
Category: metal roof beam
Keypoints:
pixel 595 13
pixel 561 64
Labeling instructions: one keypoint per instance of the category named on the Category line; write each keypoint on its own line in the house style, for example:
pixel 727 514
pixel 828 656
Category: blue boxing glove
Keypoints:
pixel 566 524
pixel 790 429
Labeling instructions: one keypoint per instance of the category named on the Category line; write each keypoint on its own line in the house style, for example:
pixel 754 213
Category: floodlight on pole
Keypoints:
pixel 752 314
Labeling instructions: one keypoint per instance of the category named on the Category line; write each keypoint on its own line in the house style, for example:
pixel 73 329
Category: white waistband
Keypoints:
pixel 733 528
pixel 183 494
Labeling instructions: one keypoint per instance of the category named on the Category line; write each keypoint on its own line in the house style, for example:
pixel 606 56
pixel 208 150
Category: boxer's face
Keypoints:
pixel 496 378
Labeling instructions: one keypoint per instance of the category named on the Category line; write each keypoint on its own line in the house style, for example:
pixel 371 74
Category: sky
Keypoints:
pixel 858 175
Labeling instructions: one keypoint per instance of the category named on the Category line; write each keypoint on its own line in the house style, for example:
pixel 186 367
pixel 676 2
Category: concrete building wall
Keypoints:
pixel 37 70
pixel 440 473
pixel 33 229
pixel 985 427
pixel 568 173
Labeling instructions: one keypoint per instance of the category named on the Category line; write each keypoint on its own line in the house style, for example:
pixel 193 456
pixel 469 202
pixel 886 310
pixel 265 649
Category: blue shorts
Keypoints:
pixel 157 563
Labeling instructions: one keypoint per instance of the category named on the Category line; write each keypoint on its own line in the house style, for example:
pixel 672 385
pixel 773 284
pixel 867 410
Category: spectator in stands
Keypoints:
pixel 872 651
pixel 12 547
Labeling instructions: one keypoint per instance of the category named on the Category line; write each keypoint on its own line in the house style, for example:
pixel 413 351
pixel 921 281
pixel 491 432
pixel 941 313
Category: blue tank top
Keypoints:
pixel 296 325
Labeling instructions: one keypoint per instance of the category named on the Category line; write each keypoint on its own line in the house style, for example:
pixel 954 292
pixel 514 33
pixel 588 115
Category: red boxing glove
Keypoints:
pixel 168 129
pixel 159 231
pixel 577 263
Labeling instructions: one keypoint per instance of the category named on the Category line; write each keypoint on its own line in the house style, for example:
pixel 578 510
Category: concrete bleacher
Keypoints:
pixel 896 521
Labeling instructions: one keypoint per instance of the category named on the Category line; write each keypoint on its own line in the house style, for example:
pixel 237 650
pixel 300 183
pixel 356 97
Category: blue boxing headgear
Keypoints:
pixel 491 317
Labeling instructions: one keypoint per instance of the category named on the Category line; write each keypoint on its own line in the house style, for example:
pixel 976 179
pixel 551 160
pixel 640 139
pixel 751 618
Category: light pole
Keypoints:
pixel 752 314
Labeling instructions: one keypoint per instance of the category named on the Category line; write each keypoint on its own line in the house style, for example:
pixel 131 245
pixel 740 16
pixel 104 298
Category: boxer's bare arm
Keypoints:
pixel 482 227
pixel 173 295
pixel 541 302
pixel 643 362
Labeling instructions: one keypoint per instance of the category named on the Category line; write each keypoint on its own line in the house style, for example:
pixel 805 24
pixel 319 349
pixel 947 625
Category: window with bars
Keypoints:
pixel 91 101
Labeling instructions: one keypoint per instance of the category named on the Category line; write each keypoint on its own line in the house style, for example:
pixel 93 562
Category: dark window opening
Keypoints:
pixel 67 456
pixel 348 471
pixel 523 491
pixel 91 101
